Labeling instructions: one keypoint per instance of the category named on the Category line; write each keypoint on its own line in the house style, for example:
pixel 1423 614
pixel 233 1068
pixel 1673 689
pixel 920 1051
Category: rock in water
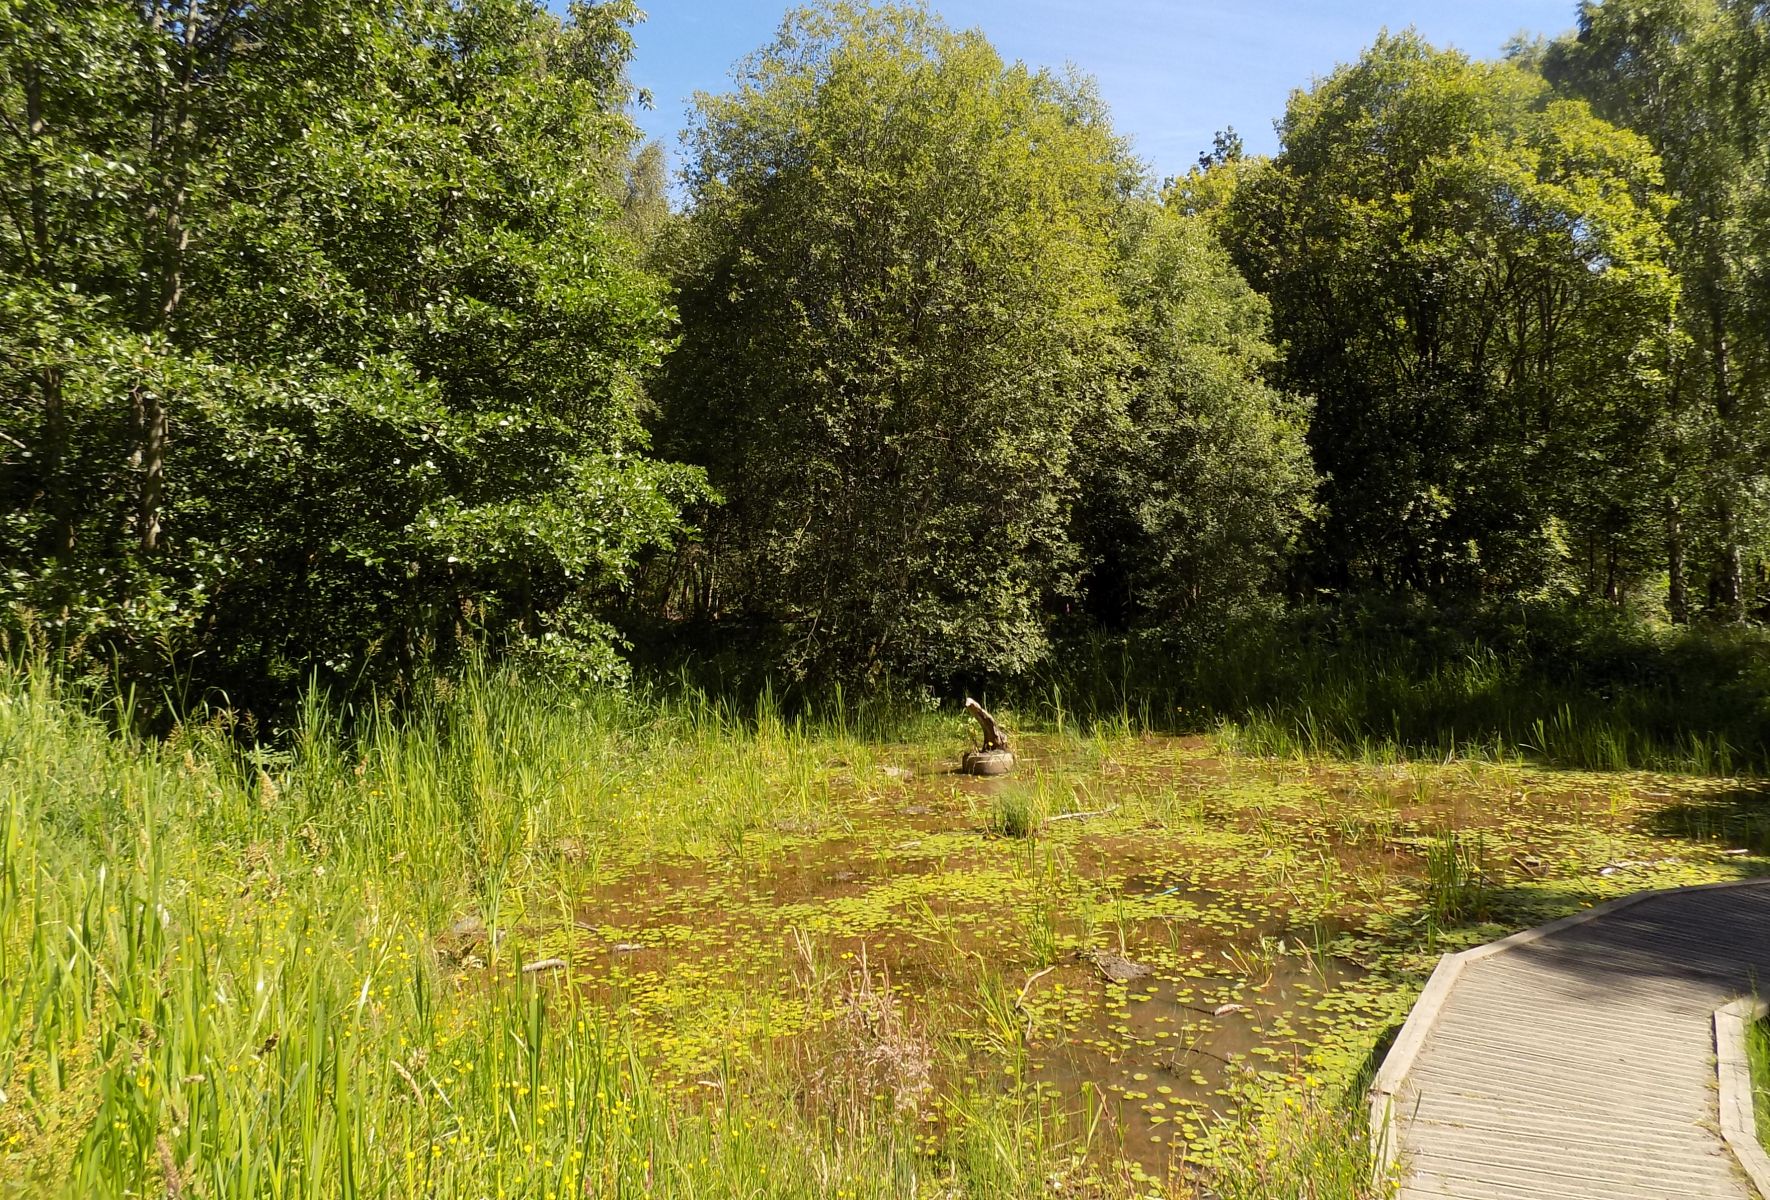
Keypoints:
pixel 995 758
pixel 1116 967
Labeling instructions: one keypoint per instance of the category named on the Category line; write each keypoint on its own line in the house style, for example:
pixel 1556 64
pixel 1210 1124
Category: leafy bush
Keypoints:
pixel 367 388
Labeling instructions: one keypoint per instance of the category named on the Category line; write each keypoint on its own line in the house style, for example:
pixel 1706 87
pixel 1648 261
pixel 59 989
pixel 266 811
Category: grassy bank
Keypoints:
pixel 240 973
pixel 1757 1049
pixel 1584 688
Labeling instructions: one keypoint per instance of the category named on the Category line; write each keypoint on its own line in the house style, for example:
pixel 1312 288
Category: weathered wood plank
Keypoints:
pixel 1577 1060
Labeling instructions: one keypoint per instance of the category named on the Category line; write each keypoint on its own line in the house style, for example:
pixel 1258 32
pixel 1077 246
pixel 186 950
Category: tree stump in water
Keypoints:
pixel 995 758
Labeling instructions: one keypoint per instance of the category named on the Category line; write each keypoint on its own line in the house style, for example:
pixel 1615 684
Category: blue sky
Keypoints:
pixel 1173 71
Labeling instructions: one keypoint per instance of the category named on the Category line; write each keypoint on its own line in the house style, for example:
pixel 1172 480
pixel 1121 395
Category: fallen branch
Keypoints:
pixel 1082 816
pixel 993 736
pixel 544 964
pixel 1030 980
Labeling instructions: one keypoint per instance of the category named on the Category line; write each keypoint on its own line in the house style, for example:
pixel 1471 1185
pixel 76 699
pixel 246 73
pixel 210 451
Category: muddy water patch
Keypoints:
pixel 1286 914
pixel 941 912
pixel 1171 1054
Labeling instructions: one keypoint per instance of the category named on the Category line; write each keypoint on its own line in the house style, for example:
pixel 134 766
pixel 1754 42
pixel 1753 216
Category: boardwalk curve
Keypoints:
pixel 1577 1060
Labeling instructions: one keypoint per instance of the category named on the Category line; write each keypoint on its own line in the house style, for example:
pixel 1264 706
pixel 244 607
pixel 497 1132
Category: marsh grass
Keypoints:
pixel 1757 1051
pixel 297 971
pixel 289 963
pixel 1040 934
pixel 1313 1147
pixel 228 971
pixel 1456 881
pixel 1014 812
pixel 1583 688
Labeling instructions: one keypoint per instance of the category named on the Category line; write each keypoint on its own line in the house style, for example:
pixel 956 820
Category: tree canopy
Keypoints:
pixel 320 341
pixel 895 315
pixel 1693 78
pixel 350 338
pixel 1471 277
pixel 927 306
pixel 1200 480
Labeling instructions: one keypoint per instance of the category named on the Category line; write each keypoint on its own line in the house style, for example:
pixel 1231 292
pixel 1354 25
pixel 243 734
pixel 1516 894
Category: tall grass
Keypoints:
pixel 222 967
pixel 1312 1148
pixel 1456 884
pixel 1580 688
pixel 1757 1052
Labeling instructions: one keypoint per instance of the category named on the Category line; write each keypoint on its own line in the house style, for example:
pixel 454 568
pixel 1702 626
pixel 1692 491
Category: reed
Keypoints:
pixel 1576 688
pixel 231 966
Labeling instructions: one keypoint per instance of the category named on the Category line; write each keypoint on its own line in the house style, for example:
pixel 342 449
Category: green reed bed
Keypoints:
pixel 223 968
pixel 220 978
pixel 1588 688
pixel 1757 1050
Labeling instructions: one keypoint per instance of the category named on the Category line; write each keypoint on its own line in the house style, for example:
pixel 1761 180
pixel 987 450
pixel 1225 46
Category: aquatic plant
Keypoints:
pixel 1456 885
pixel 1757 1049
pixel 557 942
pixel 1014 812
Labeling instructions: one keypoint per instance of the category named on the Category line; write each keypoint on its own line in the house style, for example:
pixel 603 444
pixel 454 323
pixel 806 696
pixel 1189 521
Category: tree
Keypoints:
pixel 1471 279
pixel 896 312
pixel 1195 495
pixel 645 194
pixel 318 341
pixel 1692 77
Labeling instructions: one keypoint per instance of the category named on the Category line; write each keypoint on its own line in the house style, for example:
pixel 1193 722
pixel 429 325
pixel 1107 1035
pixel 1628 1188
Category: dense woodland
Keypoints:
pixel 338 340
pixel 481 618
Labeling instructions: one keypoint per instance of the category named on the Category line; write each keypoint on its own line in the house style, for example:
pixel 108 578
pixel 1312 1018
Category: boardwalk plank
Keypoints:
pixel 1578 1062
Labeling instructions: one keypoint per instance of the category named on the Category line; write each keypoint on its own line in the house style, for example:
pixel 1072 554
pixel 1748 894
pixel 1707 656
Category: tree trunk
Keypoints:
pixel 993 736
pixel 1732 597
pixel 1732 579
pixel 151 451
pixel 55 451
pixel 165 240
pixel 1678 600
pixel 56 495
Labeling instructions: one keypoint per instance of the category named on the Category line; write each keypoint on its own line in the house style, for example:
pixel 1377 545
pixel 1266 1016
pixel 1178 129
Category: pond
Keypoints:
pixel 1152 931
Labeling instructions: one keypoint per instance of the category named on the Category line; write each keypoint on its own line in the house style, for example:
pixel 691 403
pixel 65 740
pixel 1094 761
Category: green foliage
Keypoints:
pixel 297 971
pixel 1199 483
pixel 319 343
pixel 1017 810
pixel 892 330
pixel 1456 887
pixel 335 339
pixel 227 974
pixel 1757 1047
pixel 953 369
pixel 1581 686
pixel 1312 1149
pixel 1693 77
pixel 1470 278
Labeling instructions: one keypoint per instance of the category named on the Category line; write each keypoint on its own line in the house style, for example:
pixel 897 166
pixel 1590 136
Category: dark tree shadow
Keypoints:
pixel 1717 937
pixel 1736 819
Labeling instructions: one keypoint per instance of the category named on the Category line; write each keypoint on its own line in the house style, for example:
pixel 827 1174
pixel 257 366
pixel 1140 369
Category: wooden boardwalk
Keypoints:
pixel 1578 1060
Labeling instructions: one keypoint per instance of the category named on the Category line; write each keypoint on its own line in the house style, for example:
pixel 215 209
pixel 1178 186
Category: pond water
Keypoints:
pixel 1278 917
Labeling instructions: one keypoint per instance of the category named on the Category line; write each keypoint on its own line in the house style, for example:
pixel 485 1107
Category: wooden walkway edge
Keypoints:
pixel 1578 1060
pixel 1733 1065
